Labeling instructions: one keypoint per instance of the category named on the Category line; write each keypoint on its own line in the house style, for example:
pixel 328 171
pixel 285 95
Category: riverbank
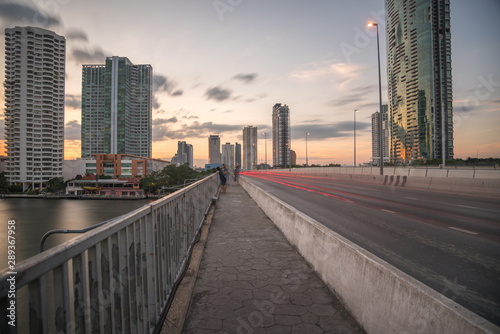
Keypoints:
pixel 82 197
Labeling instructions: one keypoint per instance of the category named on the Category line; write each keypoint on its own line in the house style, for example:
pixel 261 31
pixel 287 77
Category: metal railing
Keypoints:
pixel 116 278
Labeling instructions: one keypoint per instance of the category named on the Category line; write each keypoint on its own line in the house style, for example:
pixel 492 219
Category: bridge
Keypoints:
pixel 122 276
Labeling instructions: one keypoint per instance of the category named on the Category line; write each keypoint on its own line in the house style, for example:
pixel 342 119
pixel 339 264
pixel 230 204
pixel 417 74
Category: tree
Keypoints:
pixel 169 176
pixel 4 184
pixel 149 183
pixel 56 184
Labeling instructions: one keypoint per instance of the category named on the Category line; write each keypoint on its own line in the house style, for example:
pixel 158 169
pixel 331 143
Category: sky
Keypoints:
pixel 221 65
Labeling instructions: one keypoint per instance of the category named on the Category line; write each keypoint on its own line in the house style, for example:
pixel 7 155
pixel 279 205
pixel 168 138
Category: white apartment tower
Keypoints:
pixel 214 156
pixel 249 147
pixel 34 105
pixel 228 156
pixel 184 153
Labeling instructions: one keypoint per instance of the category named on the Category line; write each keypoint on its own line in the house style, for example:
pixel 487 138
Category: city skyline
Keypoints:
pixel 218 71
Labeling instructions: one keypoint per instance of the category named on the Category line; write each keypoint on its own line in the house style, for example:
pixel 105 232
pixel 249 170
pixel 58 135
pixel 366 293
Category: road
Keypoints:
pixel 450 242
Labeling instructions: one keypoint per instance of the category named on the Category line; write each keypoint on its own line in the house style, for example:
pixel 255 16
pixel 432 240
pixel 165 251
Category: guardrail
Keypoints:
pixel 457 172
pixel 116 278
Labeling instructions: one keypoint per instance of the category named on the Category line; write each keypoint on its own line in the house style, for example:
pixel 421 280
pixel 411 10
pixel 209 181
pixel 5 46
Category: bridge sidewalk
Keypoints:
pixel 251 280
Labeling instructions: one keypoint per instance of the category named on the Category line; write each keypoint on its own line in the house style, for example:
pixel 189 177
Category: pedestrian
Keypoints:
pixel 236 171
pixel 226 174
pixel 222 179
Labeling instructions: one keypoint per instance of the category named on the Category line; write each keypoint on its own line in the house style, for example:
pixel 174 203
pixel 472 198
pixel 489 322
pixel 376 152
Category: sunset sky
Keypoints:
pixel 221 65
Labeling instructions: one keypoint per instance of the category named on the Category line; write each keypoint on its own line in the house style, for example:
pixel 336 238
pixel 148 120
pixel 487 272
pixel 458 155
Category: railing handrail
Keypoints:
pixel 138 243
pixel 64 231
pixel 72 246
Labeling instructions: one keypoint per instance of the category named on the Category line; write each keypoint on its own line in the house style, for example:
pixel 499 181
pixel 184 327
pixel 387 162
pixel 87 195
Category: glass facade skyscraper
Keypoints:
pixel 281 135
pixel 419 79
pixel 117 108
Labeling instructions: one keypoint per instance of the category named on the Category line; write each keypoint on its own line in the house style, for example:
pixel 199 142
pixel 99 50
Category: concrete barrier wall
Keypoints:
pixel 463 172
pixel 456 181
pixel 382 298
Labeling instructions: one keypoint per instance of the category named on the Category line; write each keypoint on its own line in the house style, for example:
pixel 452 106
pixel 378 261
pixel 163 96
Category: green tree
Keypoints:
pixel 149 184
pixel 169 176
pixel 56 184
pixel 4 184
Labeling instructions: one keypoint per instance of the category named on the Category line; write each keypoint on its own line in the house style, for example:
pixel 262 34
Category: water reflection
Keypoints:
pixel 34 217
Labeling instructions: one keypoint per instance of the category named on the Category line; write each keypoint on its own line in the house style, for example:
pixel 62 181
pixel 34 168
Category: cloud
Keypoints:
pixel 161 121
pixel 246 78
pixel 72 130
pixel 190 117
pixel 156 103
pixel 73 101
pixel 76 35
pixel 326 131
pixel 218 94
pixel 14 13
pixel 256 97
pixel 163 130
pixel 88 56
pixel 338 72
pixel 162 84
pixel 353 98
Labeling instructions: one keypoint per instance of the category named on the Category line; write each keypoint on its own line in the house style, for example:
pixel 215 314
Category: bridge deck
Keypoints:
pixel 251 280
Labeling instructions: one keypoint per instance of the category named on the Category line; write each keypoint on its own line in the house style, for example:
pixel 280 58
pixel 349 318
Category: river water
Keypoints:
pixel 34 217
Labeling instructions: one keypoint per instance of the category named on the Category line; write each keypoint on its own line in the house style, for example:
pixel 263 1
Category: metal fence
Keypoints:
pixel 114 279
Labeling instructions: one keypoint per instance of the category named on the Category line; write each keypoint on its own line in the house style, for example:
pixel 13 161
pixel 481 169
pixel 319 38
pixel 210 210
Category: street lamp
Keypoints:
pixel 307 161
pixel 355 111
pixel 381 135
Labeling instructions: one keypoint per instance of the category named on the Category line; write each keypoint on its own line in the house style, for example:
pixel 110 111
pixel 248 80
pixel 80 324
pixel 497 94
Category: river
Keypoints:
pixel 34 217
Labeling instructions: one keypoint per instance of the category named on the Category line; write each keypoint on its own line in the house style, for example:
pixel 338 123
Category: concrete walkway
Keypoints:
pixel 251 280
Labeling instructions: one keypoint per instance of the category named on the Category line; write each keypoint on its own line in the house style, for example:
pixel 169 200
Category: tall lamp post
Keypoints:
pixel 307 160
pixel 381 134
pixel 355 111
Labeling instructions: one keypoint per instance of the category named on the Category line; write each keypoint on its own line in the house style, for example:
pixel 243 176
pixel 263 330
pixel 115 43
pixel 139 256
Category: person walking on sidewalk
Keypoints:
pixel 222 179
pixel 226 174
pixel 236 171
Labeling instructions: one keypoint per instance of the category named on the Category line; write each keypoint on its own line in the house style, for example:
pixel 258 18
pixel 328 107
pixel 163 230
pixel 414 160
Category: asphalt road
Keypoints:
pixel 450 242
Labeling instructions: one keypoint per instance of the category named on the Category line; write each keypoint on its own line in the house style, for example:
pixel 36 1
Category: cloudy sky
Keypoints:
pixel 220 65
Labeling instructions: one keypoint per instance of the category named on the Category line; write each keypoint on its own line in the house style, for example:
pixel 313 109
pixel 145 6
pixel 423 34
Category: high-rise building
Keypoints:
pixel 117 108
pixel 419 75
pixel 293 157
pixel 281 135
pixel 214 156
pixel 237 154
pixel 376 136
pixel 184 153
pixel 34 105
pixel 249 147
pixel 228 156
